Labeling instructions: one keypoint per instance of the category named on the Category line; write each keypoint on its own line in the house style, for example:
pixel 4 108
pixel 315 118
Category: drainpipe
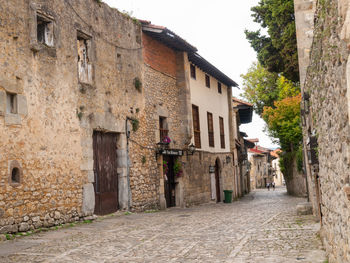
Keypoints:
pixel 127 133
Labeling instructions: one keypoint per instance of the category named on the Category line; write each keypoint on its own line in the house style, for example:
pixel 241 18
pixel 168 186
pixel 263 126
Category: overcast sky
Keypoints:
pixel 215 28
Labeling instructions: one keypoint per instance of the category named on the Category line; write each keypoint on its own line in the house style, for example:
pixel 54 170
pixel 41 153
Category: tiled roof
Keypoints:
pixel 234 99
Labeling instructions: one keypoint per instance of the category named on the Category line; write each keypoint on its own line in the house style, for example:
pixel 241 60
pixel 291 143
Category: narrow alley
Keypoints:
pixel 261 227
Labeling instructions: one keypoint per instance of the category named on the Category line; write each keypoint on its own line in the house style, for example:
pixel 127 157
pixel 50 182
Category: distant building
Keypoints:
pixel 243 113
pixel 261 169
pixel 276 170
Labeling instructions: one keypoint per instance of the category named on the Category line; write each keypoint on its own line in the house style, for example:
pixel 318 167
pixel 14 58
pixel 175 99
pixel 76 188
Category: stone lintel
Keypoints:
pixel 12 119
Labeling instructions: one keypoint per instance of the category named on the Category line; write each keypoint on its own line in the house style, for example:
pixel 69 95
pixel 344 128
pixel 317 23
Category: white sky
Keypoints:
pixel 216 28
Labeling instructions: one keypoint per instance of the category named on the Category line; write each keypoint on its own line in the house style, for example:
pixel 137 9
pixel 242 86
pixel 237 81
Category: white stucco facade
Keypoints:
pixel 210 100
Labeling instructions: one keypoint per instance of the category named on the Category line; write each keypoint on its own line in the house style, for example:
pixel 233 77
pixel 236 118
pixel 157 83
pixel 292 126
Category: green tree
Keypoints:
pixel 277 52
pixel 283 122
pixel 262 88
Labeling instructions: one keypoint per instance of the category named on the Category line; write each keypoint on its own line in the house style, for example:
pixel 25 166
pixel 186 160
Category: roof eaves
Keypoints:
pixel 209 68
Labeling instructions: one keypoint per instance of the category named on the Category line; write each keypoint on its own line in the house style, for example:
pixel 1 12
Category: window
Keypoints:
pixel 219 87
pixel 163 131
pixel 210 129
pixel 15 175
pixel 222 132
pixel 11 103
pixel 196 126
pixel 193 71
pixel 207 81
pixel 44 31
pixel 84 58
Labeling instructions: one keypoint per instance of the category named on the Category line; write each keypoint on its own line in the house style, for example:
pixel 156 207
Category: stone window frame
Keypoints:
pixel 12 117
pixel 12 166
pixel 81 35
pixel 39 15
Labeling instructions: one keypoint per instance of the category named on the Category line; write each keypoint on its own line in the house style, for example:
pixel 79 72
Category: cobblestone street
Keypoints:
pixel 261 227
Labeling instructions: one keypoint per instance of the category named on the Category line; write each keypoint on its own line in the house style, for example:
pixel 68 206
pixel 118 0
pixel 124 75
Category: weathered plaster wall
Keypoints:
pixel 210 100
pixel 326 82
pixel 51 137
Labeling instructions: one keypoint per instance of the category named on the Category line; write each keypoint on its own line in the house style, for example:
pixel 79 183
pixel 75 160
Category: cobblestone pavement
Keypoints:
pixel 261 227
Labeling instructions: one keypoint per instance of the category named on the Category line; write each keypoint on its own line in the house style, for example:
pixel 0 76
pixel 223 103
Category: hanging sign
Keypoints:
pixel 172 152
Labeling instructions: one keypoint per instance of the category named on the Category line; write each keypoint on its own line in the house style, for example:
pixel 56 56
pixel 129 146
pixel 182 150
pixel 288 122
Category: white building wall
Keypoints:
pixel 210 100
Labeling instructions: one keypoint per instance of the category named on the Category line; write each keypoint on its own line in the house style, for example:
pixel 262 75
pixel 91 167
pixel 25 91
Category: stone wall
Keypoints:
pixel 46 162
pixel 327 83
pixel 198 181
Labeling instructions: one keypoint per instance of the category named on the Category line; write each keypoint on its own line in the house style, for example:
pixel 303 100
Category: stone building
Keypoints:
pixel 323 46
pixel 98 111
pixel 276 169
pixel 189 101
pixel 260 173
pixel 66 90
pixel 243 114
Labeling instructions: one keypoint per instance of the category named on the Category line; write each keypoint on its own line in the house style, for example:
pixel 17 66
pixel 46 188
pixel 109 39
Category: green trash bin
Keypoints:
pixel 228 196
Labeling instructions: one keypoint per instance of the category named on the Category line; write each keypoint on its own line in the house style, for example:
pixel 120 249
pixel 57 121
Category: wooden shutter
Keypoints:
pixel 210 129
pixel 222 132
pixel 196 126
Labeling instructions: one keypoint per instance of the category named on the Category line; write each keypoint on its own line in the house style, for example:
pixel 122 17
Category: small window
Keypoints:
pixel 219 87
pixel 15 175
pixel 11 103
pixel 207 81
pixel 84 58
pixel 163 130
pixel 193 71
pixel 45 31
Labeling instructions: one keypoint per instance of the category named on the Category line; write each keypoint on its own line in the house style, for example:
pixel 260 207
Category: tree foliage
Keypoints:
pixel 277 52
pixel 283 122
pixel 262 88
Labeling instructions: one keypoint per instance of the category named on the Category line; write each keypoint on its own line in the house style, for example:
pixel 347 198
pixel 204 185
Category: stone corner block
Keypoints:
pixel 22 105
pixel 88 199
pixel 304 209
pixel 2 103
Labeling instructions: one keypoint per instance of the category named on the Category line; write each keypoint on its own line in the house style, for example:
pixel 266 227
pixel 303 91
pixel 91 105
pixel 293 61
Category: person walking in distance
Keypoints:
pixel 273 185
pixel 268 186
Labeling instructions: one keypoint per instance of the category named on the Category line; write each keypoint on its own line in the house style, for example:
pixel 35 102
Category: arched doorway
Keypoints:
pixel 217 180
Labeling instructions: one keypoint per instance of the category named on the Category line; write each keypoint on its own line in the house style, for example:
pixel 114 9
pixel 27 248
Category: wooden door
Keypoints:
pixel 217 182
pixel 169 182
pixel 105 169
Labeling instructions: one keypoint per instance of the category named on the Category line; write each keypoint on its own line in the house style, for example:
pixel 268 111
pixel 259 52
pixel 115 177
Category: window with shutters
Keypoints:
pixel 196 126
pixel 210 129
pixel 222 132
pixel 207 81
pixel 45 31
pixel 84 47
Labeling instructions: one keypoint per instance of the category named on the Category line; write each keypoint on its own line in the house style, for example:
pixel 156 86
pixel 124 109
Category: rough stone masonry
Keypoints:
pixel 67 69
pixel 325 24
